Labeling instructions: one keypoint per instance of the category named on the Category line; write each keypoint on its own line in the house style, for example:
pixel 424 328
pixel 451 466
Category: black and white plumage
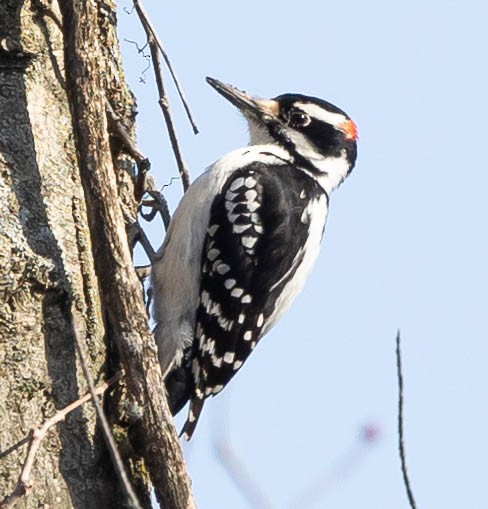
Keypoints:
pixel 244 239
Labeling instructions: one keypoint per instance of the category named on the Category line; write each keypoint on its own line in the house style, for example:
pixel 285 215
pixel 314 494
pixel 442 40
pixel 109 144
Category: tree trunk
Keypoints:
pixel 47 272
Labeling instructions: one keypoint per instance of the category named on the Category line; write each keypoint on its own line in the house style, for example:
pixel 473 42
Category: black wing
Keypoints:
pixel 257 225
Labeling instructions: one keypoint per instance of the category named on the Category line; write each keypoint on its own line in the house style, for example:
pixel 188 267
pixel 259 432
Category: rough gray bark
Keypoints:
pixel 48 271
pixel 45 263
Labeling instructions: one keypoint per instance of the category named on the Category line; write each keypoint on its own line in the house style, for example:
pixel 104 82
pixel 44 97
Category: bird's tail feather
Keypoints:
pixel 178 388
pixel 196 406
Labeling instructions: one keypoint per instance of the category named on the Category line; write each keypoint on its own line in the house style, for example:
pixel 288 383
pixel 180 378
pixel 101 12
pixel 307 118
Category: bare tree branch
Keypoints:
pixel 313 492
pixel 144 183
pixel 35 437
pixel 307 496
pixel 154 47
pixel 115 125
pixel 137 234
pixel 146 22
pixel 120 288
pixel 157 204
pixel 401 444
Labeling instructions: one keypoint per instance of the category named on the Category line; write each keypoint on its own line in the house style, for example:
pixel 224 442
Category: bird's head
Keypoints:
pixel 320 137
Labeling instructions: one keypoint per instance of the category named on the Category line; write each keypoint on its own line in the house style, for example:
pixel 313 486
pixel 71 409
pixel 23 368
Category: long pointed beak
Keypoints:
pixel 261 108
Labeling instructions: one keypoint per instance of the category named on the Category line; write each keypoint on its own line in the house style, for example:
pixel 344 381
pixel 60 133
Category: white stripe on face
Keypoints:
pixel 323 115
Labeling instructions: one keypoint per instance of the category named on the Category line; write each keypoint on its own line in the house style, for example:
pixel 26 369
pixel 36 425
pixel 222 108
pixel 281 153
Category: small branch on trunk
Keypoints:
pixel 116 126
pixel 401 443
pixel 143 164
pixel 144 184
pixel 157 204
pixel 35 437
pixel 143 271
pixel 136 234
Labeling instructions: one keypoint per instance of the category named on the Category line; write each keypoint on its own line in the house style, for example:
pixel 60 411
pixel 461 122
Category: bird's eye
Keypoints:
pixel 297 118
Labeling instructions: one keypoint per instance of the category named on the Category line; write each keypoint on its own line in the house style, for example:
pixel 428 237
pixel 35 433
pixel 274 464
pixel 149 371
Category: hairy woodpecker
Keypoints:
pixel 243 240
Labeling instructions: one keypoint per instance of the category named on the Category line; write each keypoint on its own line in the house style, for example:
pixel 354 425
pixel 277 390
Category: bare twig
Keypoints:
pixel 142 14
pixel 234 467
pixel 143 164
pixel 401 444
pixel 177 84
pixel 143 271
pixel 170 183
pixel 149 216
pixel 311 494
pixel 35 437
pixel 308 496
pixel 144 183
pixel 163 101
pixel 12 448
pixel 115 125
pixel 137 234
pixel 107 435
pixel 157 204
pixel 147 57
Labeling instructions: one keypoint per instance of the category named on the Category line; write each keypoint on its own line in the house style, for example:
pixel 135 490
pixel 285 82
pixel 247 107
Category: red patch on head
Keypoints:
pixel 349 129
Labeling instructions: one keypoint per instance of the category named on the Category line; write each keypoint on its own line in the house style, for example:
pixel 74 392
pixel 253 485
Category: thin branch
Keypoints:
pixel 146 22
pixel 107 435
pixel 401 444
pixel 143 271
pixel 35 437
pixel 143 164
pixel 144 182
pixel 12 448
pixel 177 84
pixel 247 486
pixel 158 204
pixel 116 126
pixel 255 492
pixel 311 494
pixel 163 100
pixel 136 234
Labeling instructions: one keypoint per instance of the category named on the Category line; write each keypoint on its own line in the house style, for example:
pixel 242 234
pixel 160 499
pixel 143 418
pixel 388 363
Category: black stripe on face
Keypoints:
pixel 281 135
pixel 325 139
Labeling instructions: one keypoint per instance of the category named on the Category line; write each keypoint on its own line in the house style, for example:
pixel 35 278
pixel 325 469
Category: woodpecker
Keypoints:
pixel 244 239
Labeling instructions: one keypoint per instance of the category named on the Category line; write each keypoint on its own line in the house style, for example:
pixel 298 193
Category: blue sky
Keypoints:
pixel 405 245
